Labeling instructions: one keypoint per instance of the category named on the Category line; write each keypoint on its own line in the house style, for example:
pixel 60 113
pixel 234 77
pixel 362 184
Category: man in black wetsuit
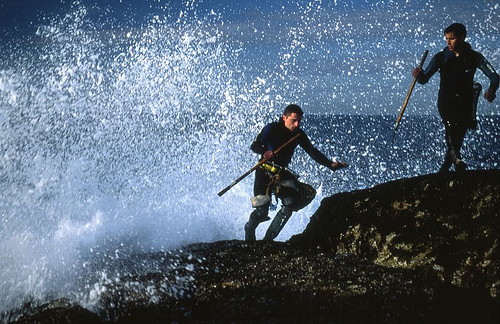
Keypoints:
pixel 457 64
pixel 273 177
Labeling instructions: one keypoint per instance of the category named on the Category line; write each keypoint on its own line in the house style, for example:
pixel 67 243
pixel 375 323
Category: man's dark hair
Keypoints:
pixel 458 29
pixel 290 109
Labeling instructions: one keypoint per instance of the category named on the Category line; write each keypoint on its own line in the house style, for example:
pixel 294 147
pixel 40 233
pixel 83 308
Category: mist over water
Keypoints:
pixel 115 139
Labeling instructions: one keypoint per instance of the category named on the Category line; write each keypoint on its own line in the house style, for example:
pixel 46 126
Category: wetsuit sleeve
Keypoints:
pixel 261 144
pixel 432 68
pixel 313 152
pixel 490 72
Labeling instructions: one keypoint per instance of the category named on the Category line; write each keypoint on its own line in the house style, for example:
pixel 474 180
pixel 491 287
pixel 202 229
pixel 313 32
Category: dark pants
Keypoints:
pixel 457 116
pixel 454 135
pixel 292 198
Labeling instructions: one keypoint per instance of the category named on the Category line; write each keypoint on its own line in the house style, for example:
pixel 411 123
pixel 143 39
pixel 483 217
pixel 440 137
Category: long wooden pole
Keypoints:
pixel 223 191
pixel 405 103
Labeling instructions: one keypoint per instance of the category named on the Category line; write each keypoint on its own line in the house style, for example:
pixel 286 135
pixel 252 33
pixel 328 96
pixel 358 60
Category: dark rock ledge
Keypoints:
pixel 417 250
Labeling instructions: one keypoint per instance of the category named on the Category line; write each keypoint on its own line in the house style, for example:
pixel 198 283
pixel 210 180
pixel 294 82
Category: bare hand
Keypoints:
pixel 416 72
pixel 268 154
pixel 338 165
pixel 490 95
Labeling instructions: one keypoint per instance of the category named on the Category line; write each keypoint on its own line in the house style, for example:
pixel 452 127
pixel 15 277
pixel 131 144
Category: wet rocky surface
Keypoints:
pixel 415 250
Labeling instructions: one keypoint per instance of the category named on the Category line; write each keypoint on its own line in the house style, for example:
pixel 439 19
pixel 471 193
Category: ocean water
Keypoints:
pixel 116 139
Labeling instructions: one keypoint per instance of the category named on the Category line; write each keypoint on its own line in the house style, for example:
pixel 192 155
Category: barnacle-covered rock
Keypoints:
pixel 416 250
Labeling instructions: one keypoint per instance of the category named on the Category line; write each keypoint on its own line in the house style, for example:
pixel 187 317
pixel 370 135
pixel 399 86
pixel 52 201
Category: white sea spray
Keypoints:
pixel 115 141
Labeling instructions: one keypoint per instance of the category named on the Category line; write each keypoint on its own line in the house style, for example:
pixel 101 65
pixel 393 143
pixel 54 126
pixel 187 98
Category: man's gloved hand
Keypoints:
pixel 416 72
pixel 338 165
pixel 490 95
pixel 268 154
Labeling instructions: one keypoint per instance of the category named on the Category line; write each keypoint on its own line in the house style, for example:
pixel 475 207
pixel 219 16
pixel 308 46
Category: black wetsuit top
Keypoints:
pixel 275 134
pixel 457 78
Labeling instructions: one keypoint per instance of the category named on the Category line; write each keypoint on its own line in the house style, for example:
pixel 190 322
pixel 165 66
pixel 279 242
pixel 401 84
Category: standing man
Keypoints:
pixel 273 177
pixel 457 64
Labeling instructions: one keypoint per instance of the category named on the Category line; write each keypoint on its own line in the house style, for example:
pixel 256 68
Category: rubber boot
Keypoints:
pixel 278 223
pixel 460 165
pixel 258 216
pixel 454 143
pixel 446 164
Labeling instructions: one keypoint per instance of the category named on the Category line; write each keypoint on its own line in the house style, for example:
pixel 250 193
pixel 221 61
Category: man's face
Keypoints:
pixel 453 42
pixel 292 122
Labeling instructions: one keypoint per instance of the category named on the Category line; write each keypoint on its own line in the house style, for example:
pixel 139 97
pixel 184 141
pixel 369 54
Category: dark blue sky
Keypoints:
pixel 16 15
pixel 343 53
